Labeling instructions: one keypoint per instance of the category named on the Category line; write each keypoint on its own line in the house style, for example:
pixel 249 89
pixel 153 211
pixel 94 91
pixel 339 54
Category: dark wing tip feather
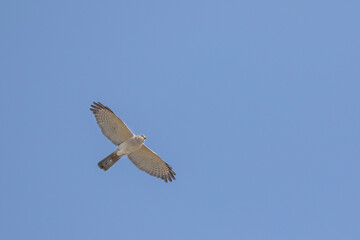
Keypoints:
pixel 170 175
pixel 97 106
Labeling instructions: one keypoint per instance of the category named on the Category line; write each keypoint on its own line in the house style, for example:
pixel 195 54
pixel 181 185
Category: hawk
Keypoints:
pixel 128 144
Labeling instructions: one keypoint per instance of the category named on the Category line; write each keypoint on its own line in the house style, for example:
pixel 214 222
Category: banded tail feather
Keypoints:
pixel 109 161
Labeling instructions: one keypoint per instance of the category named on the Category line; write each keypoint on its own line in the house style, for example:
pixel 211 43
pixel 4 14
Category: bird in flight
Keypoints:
pixel 128 144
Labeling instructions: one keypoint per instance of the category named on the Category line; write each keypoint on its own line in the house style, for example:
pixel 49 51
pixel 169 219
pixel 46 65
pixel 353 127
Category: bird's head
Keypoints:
pixel 143 136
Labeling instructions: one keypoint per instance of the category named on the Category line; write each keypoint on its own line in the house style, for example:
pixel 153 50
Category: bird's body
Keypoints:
pixel 128 144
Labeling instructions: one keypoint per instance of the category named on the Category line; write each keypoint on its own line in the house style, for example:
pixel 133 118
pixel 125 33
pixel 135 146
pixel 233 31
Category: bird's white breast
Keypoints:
pixel 130 145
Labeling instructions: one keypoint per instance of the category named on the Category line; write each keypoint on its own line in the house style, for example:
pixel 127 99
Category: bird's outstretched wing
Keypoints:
pixel 111 125
pixel 151 163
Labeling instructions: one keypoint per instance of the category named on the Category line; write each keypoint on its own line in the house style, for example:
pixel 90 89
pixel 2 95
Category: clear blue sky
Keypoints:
pixel 255 104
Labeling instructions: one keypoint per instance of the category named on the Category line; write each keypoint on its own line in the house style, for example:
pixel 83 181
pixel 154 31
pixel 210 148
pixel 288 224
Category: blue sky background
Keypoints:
pixel 255 104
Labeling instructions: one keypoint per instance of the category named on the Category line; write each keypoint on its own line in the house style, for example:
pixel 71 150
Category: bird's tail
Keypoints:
pixel 110 160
